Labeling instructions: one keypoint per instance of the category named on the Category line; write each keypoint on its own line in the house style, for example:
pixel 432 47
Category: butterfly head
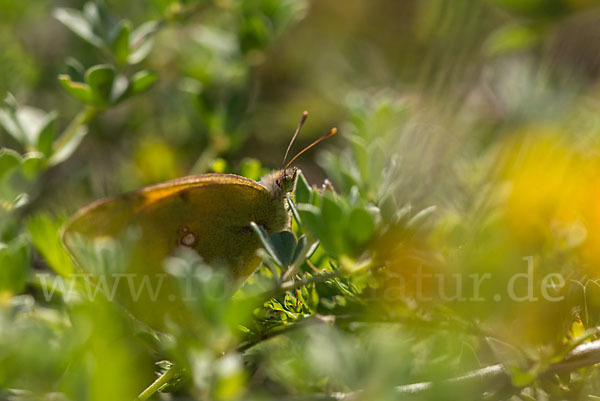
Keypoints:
pixel 287 178
pixel 280 182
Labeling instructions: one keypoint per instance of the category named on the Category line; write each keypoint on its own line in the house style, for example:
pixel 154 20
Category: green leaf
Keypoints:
pixel 303 192
pixel 361 156
pixel 10 124
pixel 141 52
pixel 519 377
pixel 120 44
pixel 507 353
pixel 92 12
pixel 294 210
pixel 402 214
pixel 284 243
pixel 266 241
pixel 25 123
pixel 32 121
pixel 311 218
pixel 420 217
pixel 32 164
pixel 354 196
pixel 76 21
pixel 44 232
pixel 78 90
pixel 9 159
pixel 100 79
pixel 75 69
pixel 141 41
pixel 15 263
pixel 360 225
pixel 312 249
pixel 120 90
pixel 300 250
pixel 143 32
pixel 142 80
pixel 66 150
pixel 21 200
pixel 45 136
pixel 333 214
pixel 512 38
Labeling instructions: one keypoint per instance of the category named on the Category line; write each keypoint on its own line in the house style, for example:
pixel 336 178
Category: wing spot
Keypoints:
pixel 184 195
pixel 186 237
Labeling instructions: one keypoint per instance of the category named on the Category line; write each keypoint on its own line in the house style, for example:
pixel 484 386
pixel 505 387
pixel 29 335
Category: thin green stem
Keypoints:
pixel 157 384
pixel 291 285
pixel 81 119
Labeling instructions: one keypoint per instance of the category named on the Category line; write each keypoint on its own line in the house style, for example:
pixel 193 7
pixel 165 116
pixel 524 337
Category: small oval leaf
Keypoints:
pixel 284 243
pixel 100 79
pixel 142 80
pixel 303 192
pixel 78 90
pixel 76 22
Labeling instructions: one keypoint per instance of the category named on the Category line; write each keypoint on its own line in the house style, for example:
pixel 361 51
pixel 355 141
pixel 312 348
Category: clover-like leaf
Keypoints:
pixel 360 225
pixel 32 164
pixel 43 231
pixel 75 69
pixel 45 136
pixel 9 160
pixel 10 122
pixel 78 90
pixel 77 22
pixel 100 79
pixel 313 221
pixel 266 241
pixel 141 41
pixel 284 243
pixel 25 124
pixel 420 217
pixel 142 80
pixel 333 214
pixel 121 89
pixel 300 251
pixel 512 38
pixel 303 191
pixel 14 259
pixel 120 45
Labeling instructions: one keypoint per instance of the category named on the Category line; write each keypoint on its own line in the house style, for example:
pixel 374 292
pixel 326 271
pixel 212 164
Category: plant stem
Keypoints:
pixel 314 319
pixel 496 377
pixel 81 119
pixel 493 379
pixel 157 384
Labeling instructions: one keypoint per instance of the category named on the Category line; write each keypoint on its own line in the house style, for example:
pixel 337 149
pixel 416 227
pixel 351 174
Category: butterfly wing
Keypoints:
pixel 209 213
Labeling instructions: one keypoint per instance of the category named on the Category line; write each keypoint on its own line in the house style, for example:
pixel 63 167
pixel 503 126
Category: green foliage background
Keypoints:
pixel 468 142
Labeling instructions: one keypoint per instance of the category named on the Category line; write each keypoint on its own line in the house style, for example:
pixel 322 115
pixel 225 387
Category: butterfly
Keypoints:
pixel 209 213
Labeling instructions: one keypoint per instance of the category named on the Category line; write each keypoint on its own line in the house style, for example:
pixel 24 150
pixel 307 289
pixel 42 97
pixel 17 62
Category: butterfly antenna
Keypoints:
pixel 331 132
pixel 300 124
